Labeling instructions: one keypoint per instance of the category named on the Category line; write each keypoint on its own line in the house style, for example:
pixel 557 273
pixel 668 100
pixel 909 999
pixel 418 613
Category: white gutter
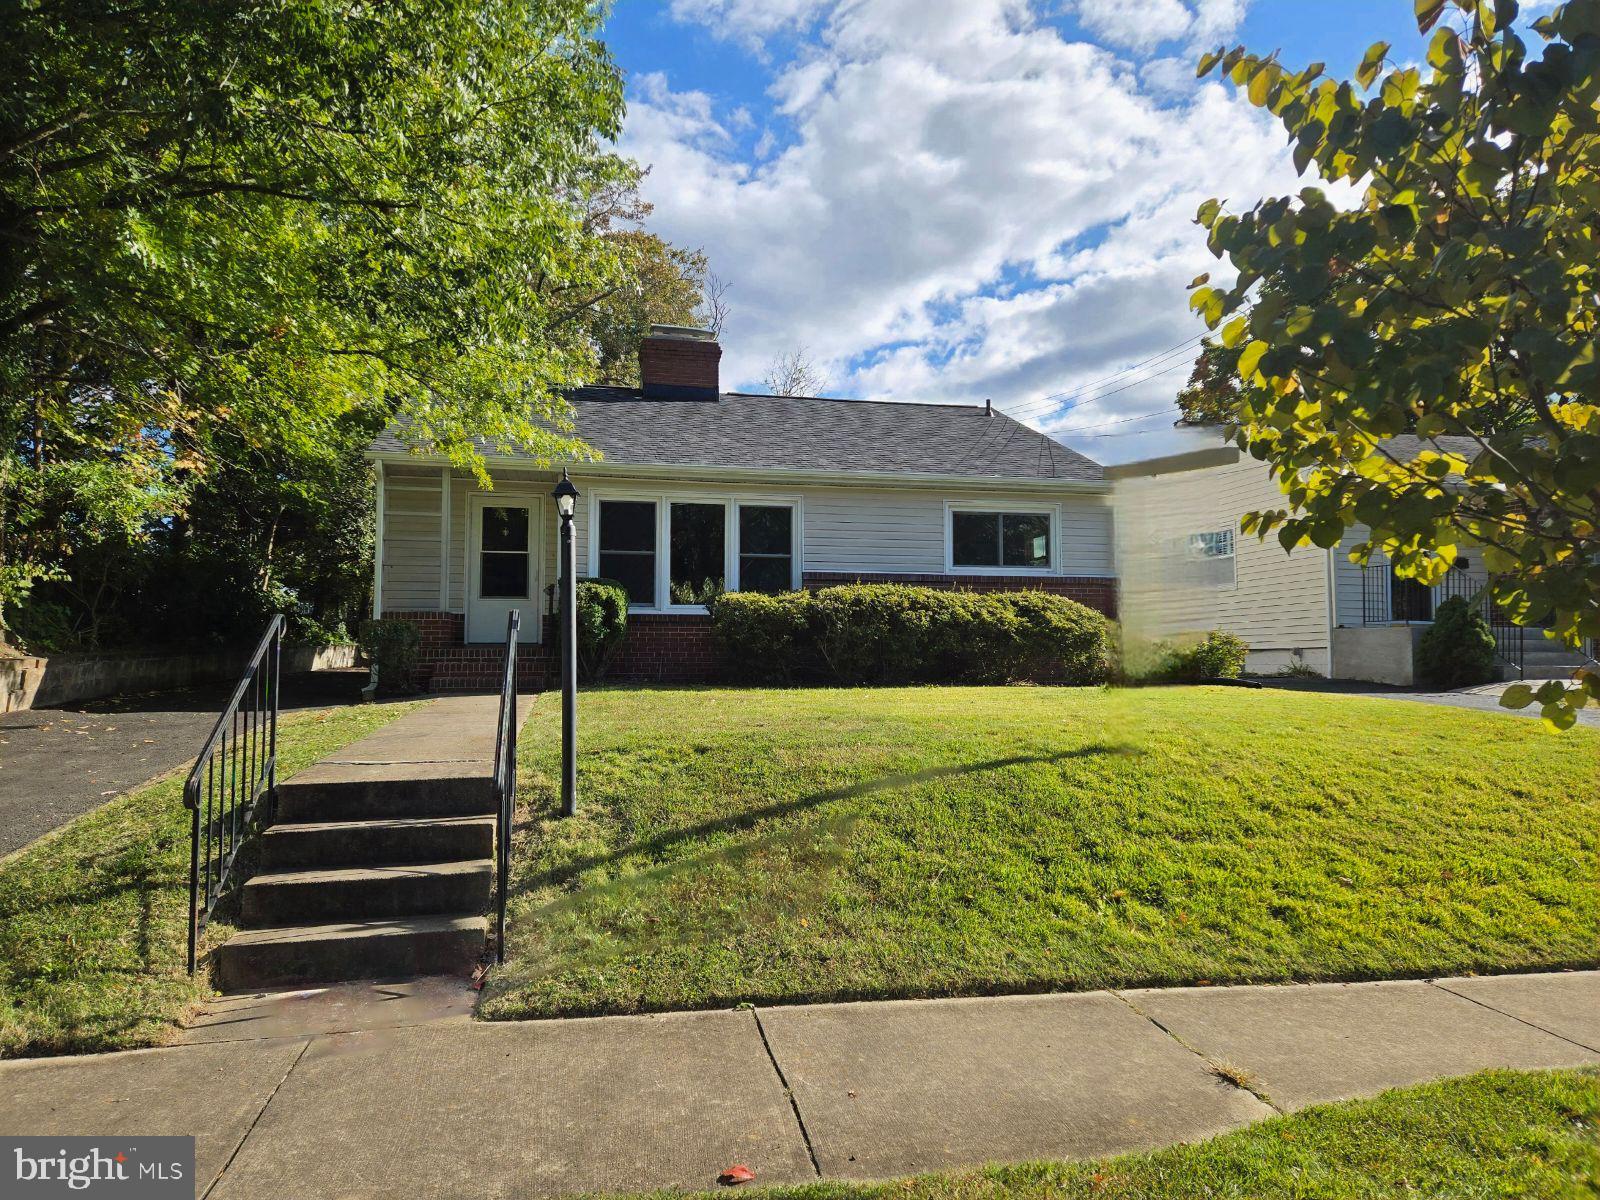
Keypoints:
pixel 709 472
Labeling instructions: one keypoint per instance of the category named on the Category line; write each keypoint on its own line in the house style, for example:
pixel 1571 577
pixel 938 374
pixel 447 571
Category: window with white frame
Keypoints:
pixel 627 539
pixel 709 544
pixel 1209 559
pixel 995 539
pixel 697 568
pixel 766 548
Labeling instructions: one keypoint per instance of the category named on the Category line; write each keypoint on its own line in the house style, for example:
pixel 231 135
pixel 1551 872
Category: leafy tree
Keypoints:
pixel 655 283
pixel 1460 296
pixel 1211 396
pixel 232 232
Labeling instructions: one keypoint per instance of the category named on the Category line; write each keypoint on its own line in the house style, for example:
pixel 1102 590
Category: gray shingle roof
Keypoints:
pixel 804 433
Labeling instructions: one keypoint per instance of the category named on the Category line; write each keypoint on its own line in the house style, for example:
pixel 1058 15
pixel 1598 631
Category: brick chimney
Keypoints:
pixel 677 362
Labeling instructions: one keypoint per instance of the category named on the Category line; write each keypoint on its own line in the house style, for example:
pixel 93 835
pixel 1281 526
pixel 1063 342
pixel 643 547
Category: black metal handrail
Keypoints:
pixel 236 770
pixel 505 779
pixel 1388 599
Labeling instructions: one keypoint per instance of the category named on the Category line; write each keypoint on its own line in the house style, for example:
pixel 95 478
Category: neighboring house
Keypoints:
pixel 1183 565
pixel 700 489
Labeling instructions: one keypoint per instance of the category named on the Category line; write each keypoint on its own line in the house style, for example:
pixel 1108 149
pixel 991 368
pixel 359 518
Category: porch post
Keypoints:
pixel 377 551
pixel 444 539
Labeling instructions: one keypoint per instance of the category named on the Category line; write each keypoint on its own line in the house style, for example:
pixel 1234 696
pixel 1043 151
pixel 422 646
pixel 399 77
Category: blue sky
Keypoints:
pixel 950 200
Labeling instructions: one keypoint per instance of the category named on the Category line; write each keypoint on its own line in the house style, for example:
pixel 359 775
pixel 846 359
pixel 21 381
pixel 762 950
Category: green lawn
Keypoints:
pixel 1496 1134
pixel 772 846
pixel 93 925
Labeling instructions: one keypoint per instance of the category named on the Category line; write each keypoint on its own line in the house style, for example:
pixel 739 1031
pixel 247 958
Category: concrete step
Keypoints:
pixel 399 840
pixel 259 959
pixel 385 794
pixel 357 893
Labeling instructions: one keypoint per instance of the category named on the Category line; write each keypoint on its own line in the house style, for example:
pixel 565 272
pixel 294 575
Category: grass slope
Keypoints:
pixel 93 924
pixel 1532 1135
pixel 771 846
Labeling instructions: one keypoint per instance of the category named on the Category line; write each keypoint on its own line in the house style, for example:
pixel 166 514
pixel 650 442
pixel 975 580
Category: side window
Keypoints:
pixel 1000 539
pixel 1211 559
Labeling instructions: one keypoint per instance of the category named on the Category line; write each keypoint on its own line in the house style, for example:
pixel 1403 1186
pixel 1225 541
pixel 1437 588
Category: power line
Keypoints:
pixel 1089 394
pixel 1171 408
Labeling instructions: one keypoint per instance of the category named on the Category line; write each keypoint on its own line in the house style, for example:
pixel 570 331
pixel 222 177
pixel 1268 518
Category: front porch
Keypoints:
pixel 1396 612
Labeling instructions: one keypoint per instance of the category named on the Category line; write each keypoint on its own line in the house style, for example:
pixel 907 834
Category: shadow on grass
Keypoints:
pixel 655 847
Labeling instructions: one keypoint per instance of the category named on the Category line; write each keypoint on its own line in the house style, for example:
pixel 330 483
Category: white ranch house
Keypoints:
pixel 701 489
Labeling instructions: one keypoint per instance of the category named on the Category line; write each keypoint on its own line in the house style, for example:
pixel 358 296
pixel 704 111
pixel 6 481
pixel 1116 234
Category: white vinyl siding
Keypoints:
pixel 411 532
pixel 1277 601
pixel 844 530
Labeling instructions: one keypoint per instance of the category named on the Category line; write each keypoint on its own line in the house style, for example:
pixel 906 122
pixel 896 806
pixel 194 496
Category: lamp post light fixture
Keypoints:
pixel 566 498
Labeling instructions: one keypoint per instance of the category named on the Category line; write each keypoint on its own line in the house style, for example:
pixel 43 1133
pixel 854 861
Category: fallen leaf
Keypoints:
pixel 736 1174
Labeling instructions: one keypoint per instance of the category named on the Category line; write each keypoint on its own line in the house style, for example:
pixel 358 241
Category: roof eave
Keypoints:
pixel 754 474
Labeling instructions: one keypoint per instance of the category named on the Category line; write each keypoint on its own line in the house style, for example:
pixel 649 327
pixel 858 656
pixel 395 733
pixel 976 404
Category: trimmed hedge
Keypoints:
pixel 889 633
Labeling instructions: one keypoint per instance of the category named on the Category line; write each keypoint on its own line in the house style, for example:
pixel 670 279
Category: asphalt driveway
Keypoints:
pixel 58 763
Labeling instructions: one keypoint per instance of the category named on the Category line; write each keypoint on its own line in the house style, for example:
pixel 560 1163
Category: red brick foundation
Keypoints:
pixel 1092 591
pixel 659 648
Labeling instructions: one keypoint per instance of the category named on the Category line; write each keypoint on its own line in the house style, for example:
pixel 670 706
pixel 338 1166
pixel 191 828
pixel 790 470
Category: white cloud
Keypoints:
pixel 1144 26
pixel 966 204
pixel 1136 26
pixel 749 21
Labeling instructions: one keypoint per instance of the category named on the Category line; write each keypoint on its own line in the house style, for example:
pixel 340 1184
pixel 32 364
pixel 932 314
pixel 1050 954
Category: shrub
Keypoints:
pixel 1459 649
pixel 892 633
pixel 602 625
pixel 392 649
pixel 1213 655
pixel 765 638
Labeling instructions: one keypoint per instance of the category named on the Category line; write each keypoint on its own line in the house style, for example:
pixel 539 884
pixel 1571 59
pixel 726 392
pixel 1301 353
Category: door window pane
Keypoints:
pixel 975 539
pixel 505 529
pixel 503 553
pixel 766 548
pixel 504 577
pixel 1025 539
pixel 628 547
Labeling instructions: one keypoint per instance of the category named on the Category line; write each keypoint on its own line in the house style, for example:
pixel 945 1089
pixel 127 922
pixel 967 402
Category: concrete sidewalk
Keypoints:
pixel 455 1108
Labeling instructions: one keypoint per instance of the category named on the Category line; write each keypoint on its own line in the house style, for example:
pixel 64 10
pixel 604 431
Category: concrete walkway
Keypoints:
pixel 451 1107
pixel 1484 699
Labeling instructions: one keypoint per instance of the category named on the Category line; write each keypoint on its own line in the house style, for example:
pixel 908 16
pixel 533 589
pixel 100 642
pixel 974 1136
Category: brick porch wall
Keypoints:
pixel 1094 592
pixel 659 648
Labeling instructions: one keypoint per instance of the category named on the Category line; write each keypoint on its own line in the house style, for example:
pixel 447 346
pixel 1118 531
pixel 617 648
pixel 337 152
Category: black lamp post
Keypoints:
pixel 566 498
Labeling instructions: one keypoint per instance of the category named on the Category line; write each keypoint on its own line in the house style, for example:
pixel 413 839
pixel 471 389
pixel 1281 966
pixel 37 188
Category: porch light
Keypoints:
pixel 566 497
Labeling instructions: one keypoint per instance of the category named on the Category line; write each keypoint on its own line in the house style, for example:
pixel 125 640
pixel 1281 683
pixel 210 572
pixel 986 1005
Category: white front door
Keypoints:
pixel 503 566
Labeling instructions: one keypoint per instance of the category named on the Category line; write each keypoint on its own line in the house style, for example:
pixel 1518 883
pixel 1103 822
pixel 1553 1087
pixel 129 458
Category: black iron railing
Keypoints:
pixel 1386 599
pixel 505 779
pixel 230 790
